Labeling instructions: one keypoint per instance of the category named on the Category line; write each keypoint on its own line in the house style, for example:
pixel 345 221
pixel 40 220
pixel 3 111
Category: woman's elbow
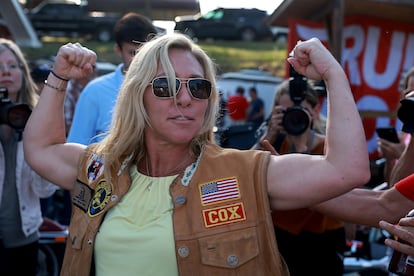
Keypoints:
pixel 359 174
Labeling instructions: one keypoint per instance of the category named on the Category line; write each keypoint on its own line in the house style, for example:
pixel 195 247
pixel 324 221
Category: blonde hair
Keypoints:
pixel 406 78
pixel 27 92
pixel 126 135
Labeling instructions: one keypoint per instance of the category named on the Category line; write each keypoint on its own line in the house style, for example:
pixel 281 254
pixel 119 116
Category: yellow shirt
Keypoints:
pixel 136 236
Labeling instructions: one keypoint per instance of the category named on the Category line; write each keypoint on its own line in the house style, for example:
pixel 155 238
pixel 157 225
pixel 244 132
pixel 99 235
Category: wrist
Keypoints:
pixel 58 76
pixel 55 83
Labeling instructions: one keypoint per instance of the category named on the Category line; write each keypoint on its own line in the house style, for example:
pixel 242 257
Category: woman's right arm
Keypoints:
pixel 45 147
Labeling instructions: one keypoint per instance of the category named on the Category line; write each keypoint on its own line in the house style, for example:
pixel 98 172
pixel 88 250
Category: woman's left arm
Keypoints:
pixel 298 180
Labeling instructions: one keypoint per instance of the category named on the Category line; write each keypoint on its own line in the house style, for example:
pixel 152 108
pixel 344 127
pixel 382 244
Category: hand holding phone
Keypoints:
pixel 388 133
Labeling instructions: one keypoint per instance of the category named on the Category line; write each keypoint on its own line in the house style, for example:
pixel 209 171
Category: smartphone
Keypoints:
pixel 388 133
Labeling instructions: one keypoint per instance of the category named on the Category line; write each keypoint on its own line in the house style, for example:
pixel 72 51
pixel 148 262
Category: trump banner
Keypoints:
pixel 375 55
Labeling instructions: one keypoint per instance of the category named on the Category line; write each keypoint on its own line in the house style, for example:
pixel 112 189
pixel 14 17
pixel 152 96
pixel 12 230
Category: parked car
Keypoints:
pixel 280 34
pixel 223 23
pixel 66 18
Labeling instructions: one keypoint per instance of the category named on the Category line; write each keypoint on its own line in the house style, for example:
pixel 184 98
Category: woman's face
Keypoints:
pixel 286 102
pixel 11 74
pixel 176 122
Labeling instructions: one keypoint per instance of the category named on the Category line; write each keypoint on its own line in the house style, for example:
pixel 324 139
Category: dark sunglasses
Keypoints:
pixel 199 88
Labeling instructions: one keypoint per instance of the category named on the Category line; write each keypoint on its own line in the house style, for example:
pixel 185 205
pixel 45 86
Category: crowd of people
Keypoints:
pixel 135 150
pixel 242 110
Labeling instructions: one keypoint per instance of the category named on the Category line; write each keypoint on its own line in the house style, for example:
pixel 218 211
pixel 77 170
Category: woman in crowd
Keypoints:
pixel 158 190
pixel 20 186
pixel 299 232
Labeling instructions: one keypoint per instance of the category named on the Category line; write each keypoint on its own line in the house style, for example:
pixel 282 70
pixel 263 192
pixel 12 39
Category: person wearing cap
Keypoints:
pixel 93 111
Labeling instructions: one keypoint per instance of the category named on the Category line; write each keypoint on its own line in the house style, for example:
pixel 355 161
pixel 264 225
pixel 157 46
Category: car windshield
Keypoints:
pixel 216 14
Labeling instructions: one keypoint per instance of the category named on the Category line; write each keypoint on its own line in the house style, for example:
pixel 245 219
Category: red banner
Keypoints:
pixel 375 55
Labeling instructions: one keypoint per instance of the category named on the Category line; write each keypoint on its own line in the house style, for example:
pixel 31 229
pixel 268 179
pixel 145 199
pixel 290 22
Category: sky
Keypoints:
pixel 267 5
pixel 208 5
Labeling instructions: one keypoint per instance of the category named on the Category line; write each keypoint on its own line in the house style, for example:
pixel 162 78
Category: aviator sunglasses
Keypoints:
pixel 199 88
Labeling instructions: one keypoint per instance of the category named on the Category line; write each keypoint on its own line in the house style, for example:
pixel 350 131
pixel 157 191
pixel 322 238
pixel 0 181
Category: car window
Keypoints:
pixel 49 10
pixel 72 11
pixel 232 15
pixel 216 14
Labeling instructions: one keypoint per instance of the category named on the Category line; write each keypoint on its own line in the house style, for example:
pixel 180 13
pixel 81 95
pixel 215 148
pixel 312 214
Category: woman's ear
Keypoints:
pixel 118 50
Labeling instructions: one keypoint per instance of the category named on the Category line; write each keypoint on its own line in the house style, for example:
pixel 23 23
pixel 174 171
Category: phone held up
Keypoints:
pixel 388 133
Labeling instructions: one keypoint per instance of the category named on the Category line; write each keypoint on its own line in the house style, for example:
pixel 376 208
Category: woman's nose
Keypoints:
pixel 184 95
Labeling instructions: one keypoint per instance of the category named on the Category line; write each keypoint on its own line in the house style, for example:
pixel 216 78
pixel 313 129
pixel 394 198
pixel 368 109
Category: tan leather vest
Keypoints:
pixel 222 222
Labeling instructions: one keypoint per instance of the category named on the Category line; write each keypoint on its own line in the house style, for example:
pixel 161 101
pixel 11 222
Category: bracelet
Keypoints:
pixel 55 87
pixel 57 76
pixel 406 187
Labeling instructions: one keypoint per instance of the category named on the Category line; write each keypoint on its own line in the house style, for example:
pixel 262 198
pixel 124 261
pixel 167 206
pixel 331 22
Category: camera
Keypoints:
pixel 296 119
pixel 405 114
pixel 14 115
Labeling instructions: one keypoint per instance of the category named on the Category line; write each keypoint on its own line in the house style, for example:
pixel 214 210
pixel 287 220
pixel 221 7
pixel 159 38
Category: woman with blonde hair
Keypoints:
pixel 158 190
pixel 20 186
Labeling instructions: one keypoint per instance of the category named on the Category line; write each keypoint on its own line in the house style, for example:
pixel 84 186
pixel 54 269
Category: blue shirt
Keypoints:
pixel 93 111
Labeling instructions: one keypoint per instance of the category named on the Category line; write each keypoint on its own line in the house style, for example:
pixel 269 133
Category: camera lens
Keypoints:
pixel 18 115
pixel 295 121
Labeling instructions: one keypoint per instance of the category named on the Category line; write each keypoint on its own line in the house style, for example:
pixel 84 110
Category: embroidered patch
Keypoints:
pixel 224 215
pixel 95 167
pixel 100 198
pixel 81 195
pixel 219 190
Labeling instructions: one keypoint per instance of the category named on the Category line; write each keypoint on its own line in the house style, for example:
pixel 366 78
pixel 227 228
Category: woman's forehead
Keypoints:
pixel 183 62
pixel 7 54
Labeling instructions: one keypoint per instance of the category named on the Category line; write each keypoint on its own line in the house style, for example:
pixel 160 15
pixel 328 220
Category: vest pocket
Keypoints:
pixel 230 249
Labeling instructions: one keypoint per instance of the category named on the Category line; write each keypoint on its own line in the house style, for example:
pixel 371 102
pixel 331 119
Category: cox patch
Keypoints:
pixel 224 215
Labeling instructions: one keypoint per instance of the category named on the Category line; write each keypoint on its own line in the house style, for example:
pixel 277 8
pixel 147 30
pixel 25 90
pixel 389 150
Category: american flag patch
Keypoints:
pixel 219 190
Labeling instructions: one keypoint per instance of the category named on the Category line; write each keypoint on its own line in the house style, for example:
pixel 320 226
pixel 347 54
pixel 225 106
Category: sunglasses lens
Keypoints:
pixel 200 88
pixel 161 88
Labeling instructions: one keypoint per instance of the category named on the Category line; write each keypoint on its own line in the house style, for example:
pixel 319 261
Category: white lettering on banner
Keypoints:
pixel 373 79
pixel 375 55
pixel 350 54
pixel 374 103
pixel 306 32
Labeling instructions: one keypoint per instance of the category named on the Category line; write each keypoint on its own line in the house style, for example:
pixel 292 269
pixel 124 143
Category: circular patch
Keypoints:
pixel 100 198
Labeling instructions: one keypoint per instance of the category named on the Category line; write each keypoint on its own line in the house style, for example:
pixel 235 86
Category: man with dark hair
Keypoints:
pixel 93 113
pixel 237 107
pixel 255 114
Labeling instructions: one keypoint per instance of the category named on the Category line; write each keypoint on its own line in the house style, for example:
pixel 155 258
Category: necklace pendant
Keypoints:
pixel 149 186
